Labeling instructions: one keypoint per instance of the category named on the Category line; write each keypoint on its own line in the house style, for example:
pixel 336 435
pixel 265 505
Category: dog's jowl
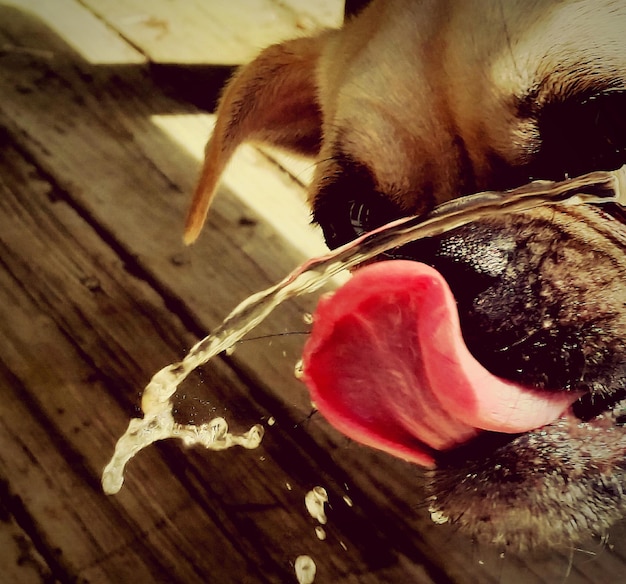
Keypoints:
pixel 411 104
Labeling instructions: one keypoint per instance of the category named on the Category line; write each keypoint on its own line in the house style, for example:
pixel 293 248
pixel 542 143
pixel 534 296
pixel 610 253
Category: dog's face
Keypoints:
pixel 414 103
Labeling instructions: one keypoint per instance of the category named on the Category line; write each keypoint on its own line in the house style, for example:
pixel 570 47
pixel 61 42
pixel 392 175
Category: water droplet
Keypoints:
pixel 219 429
pixel 252 438
pixel 438 517
pixel 305 569
pixel 314 502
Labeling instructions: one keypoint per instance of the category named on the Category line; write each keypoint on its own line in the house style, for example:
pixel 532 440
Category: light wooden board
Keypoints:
pixel 213 31
pixel 87 34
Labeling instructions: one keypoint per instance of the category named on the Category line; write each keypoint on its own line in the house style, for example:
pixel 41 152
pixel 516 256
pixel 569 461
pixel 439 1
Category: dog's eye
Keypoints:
pixel 356 216
pixel 371 212
pixel 581 134
pixel 349 205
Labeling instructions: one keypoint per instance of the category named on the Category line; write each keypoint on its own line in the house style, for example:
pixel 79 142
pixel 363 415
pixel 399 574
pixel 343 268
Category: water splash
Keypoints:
pixel 213 435
pixel 158 424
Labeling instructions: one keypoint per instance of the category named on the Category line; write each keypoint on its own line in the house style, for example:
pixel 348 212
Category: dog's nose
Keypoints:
pixel 471 257
pixel 512 316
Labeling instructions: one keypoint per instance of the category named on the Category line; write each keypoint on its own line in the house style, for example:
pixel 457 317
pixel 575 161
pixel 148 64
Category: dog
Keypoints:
pixel 411 104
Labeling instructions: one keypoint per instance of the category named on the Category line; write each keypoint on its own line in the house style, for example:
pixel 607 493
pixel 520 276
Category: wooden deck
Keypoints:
pixel 101 130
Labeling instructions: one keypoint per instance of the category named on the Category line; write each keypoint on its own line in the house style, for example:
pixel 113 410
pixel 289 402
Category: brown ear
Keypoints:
pixel 271 100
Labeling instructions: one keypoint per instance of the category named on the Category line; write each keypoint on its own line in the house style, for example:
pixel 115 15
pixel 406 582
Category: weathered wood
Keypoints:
pixel 97 293
pixel 60 413
pixel 107 350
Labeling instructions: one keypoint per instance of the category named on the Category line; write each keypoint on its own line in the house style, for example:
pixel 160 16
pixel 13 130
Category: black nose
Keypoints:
pixel 472 258
pixel 510 315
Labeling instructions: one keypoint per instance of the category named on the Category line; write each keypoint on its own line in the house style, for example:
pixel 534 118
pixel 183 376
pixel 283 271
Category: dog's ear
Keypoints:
pixel 272 100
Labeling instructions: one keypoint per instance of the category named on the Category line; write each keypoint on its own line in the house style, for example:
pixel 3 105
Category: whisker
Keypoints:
pixel 274 335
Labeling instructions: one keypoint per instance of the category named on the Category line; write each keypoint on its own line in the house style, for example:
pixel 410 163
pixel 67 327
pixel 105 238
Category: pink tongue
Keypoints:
pixel 386 365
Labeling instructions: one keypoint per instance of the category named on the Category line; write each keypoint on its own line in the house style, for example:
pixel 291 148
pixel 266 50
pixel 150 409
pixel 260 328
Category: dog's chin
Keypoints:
pixel 551 487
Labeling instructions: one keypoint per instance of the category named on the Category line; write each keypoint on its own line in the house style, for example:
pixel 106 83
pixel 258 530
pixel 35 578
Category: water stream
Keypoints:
pixel 158 422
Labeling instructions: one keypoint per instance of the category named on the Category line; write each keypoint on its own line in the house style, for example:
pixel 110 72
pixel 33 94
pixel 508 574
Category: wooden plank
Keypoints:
pixel 197 31
pixel 70 308
pixel 139 180
pixel 91 128
pixel 232 237
pixel 327 13
pixel 97 173
pixel 59 421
